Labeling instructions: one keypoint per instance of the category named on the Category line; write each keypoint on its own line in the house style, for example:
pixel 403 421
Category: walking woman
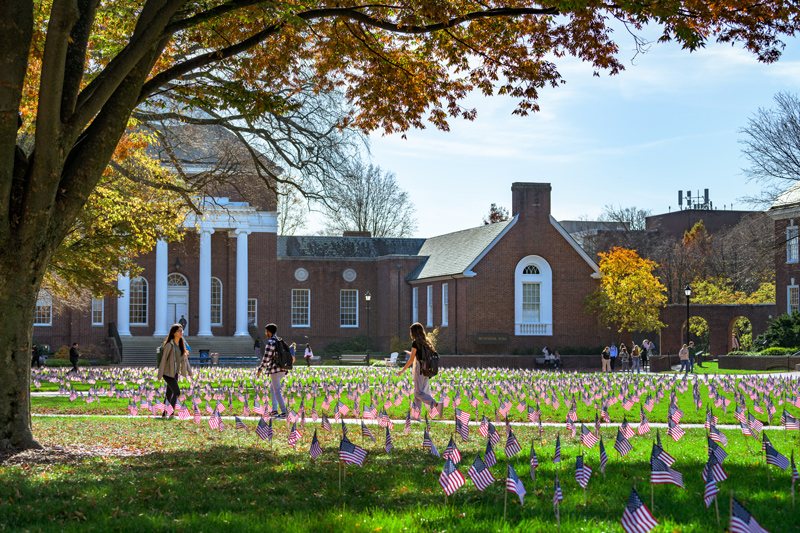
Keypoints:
pixel 308 355
pixel 422 387
pixel 606 355
pixel 636 359
pixel 174 364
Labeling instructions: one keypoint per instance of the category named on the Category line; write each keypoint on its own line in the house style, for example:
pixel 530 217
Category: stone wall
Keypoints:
pixel 757 362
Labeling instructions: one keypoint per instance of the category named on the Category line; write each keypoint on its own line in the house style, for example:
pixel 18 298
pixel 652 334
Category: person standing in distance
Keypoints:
pixel 174 364
pixel 422 386
pixel 257 347
pixel 36 356
pixel 613 351
pixel 183 322
pixel 275 372
pixel 308 355
pixel 74 354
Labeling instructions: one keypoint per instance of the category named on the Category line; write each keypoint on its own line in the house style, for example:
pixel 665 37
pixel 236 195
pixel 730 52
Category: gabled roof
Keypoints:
pixel 456 253
pixel 346 247
pixel 787 203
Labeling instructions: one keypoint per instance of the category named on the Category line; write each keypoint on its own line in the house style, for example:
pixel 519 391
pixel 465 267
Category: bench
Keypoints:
pixel 542 362
pixel 357 359
pixel 225 360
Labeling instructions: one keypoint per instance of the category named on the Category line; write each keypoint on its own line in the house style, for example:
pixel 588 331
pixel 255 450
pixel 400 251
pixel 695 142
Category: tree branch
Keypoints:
pixel 75 61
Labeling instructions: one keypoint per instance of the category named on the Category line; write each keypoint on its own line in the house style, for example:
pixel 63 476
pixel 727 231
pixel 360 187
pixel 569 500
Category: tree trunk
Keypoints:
pixel 17 302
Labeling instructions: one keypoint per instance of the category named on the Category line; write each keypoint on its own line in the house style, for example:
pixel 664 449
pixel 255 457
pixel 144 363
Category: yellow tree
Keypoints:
pixel 630 296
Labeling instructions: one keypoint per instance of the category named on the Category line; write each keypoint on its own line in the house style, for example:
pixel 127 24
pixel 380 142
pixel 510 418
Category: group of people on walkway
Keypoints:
pixel 629 360
pixel 687 355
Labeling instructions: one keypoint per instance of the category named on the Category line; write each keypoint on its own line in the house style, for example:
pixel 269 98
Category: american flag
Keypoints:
pixel 557 454
pixel 450 478
pixel 627 403
pixel 742 521
pixel 294 435
pixel 451 452
pixel 674 430
pixel 366 433
pixel 494 436
pixel 717 435
pixel 387 447
pixel 514 484
pixel 427 444
pixel 603 457
pixel 415 412
pixel 622 445
pixel 745 429
pixel 264 430
pixel 571 426
pixel 711 418
pixel 326 424
pixel 754 423
pixel 644 424
pixel 710 492
pixel 483 429
pixel 463 430
pixel 132 409
pixel 344 429
pixel 675 414
pixel 637 518
pixel 384 421
pixel 658 451
pixel 315 450
pixel 717 451
pixel 463 416
pixel 407 428
pixel 349 453
pixel 596 424
pixel 740 415
pixel 765 441
pixel 661 473
pixel 776 459
pixel 512 445
pixel 531 414
pixel 479 474
pixel 795 475
pixel 582 472
pixel 434 413
pixel 214 420
pixel 240 425
pixel 558 496
pixel 370 412
pixel 534 461
pixel 489 458
pixel 789 421
pixel 196 415
pixel 626 429
pixel 587 437
pixel 713 470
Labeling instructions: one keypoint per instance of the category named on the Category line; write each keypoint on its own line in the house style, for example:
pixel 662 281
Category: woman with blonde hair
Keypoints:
pixel 174 364
pixel 422 386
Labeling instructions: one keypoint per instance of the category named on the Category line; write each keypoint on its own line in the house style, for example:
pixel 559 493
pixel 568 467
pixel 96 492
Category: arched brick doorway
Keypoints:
pixel 720 319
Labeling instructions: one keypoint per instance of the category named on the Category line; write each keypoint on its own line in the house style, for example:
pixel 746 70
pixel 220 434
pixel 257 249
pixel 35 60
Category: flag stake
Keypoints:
pixel 716 504
pixel 505 498
pixel 730 520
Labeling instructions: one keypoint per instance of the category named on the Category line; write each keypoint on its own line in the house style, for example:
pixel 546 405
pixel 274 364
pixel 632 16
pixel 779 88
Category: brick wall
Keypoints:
pixel 757 362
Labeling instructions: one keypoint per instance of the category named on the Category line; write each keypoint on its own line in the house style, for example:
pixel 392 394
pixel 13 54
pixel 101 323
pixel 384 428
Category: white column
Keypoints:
pixel 124 306
pixel 204 298
pixel 241 283
pixel 162 272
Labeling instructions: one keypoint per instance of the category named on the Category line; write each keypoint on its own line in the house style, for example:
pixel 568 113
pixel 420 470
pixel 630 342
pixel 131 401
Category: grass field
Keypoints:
pixel 193 479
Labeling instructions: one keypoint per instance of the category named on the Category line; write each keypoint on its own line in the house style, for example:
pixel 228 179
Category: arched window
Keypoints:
pixel 533 297
pixel 138 299
pixel 177 280
pixel 216 302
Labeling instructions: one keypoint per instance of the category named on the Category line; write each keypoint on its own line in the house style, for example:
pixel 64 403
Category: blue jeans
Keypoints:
pixel 635 362
pixel 684 365
pixel 691 364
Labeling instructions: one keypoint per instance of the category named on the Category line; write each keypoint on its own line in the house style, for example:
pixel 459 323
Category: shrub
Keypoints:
pixel 783 330
pixel 357 344
pixel 396 345
pixel 775 350
pixel 51 361
pixel 440 341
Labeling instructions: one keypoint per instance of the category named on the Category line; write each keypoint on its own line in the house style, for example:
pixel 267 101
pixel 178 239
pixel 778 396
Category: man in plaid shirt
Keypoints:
pixel 274 371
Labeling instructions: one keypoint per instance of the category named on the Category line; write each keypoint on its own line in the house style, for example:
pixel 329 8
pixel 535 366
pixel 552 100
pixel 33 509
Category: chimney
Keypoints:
pixel 357 234
pixel 530 199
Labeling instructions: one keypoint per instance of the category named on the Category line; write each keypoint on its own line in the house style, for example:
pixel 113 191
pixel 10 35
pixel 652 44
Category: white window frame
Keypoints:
pixel 792 244
pixel 792 290
pixel 307 308
pixel 252 310
pixel 429 305
pixel 43 318
pixel 445 303
pixel 145 304
pixel 544 327
pixel 415 305
pixel 98 302
pixel 537 305
pixel 352 310
pixel 212 304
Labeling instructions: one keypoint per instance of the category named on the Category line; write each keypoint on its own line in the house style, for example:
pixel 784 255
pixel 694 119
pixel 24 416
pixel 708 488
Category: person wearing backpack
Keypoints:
pixel 276 364
pixel 174 364
pixel 421 351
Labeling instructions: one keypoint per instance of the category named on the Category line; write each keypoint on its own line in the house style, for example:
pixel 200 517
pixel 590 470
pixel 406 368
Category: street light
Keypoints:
pixel 688 292
pixel 367 297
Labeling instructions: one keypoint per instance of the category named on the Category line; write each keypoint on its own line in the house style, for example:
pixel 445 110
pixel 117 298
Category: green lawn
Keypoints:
pixel 193 479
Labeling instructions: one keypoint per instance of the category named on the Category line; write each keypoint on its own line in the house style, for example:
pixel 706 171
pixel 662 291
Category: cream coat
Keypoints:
pixel 172 363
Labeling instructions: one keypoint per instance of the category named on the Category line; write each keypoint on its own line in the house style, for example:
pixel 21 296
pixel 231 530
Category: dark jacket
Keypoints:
pixel 73 354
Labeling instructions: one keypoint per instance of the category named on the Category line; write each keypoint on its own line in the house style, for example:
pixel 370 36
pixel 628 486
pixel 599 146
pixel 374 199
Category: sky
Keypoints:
pixel 669 122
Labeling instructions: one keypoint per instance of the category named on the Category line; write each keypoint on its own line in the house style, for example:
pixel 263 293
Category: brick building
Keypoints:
pixel 518 284
pixel 786 214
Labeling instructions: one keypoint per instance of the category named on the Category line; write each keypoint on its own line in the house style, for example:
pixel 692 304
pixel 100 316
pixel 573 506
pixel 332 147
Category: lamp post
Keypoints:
pixel 688 292
pixel 368 297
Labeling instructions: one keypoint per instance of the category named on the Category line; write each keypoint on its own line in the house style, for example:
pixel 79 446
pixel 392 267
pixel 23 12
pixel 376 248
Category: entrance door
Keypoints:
pixel 178 300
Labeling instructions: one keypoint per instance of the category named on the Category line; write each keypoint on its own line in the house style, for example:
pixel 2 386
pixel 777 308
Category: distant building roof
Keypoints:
pixel 454 253
pixel 581 226
pixel 788 200
pixel 346 247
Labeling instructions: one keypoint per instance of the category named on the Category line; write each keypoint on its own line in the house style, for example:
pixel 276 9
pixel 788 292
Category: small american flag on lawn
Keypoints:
pixel 717 451
pixel 789 421
pixel 637 518
pixel 407 428
pixel 387 447
pixel 326 424
pixel 660 473
pixel 512 445
pixel 294 435
pixel 494 436
pixel 452 452
pixel 776 459
pixel 489 459
pixel 450 478
pixel 742 521
pixel 713 470
pixel 435 412
pixel 213 421
pixel 366 433
pixel 622 445
pixel 626 429
pixel 350 453
pixel 463 416
pixel 755 424
pixel 588 438
pixel 582 472
pixel 558 496
pixel 765 441
pixel 463 430
pixel 315 450
pixel 710 492
pixel 717 435
pixel 659 452
pixel 674 430
pixel 514 484
pixel 675 414
pixel 557 453
pixel 795 475
pixel 384 421
pixel 479 474
pixel 264 430
pixel 603 457
pixel 644 424
pixel 240 425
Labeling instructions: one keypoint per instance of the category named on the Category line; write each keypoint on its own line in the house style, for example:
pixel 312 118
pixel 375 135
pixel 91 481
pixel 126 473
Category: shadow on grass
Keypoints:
pixel 225 488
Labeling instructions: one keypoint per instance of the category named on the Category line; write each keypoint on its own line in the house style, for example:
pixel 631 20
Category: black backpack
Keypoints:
pixel 428 362
pixel 283 356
